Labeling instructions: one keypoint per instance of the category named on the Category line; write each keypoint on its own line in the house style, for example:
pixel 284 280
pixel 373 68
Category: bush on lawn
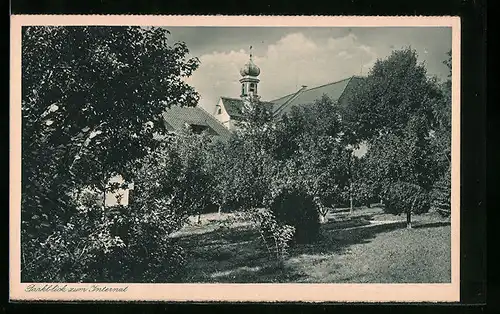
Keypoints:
pixel 276 236
pixel 296 208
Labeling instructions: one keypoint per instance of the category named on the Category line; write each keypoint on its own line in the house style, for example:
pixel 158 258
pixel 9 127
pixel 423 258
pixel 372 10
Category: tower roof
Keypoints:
pixel 250 69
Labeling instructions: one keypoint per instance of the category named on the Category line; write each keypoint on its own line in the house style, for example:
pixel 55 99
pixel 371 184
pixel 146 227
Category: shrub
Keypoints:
pixel 296 208
pixel 148 255
pixel 404 197
pixel 275 236
pixel 74 250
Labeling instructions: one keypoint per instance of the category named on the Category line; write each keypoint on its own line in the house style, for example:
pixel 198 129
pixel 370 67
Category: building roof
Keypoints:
pixel 176 118
pixel 304 96
pixel 233 106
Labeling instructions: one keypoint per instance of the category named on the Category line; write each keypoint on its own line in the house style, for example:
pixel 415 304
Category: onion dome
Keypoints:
pixel 250 69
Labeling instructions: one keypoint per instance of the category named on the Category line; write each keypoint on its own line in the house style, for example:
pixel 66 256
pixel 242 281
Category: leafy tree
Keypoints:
pixel 242 166
pixel 441 140
pixel 269 163
pixel 364 189
pixel 172 185
pixel 396 89
pixel 406 159
pixel 398 110
pixel 91 104
pixel 408 196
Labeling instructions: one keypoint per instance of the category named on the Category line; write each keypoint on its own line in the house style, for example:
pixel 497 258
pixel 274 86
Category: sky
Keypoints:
pixel 291 57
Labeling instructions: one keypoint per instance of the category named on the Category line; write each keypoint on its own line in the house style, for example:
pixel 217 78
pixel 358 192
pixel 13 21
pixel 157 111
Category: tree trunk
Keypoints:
pixel 408 219
pixel 322 210
pixel 350 198
pixel 408 214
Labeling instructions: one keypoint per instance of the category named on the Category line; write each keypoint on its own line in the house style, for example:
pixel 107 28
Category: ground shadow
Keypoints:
pixel 432 224
pixel 238 255
pixel 337 240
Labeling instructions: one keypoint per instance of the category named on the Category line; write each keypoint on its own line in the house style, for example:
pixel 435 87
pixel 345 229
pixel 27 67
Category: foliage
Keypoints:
pixel 242 166
pixel 408 157
pixel 296 208
pixel 364 188
pixel 171 186
pixel 268 159
pixel 91 104
pixel 395 90
pixel 405 197
pixel 441 142
pixel 241 170
pixel 441 138
pixel 275 235
pixel 441 195
pixel 405 118
pixel 74 249
pixel 312 155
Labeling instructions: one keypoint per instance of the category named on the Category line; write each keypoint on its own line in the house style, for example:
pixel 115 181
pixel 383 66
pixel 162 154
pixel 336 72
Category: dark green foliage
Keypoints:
pixel 404 197
pixel 364 188
pixel 276 235
pixel 297 209
pixel 269 163
pixel 396 89
pixel 441 195
pixel 92 99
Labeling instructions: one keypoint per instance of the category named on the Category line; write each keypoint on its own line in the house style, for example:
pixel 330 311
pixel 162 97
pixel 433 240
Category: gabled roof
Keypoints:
pixel 304 96
pixel 176 118
pixel 233 106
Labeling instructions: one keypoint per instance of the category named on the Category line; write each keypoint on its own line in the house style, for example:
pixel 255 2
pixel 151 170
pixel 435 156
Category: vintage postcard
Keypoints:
pixel 235 158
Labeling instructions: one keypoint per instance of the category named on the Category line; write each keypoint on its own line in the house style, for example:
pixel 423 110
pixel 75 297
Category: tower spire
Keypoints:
pixel 249 80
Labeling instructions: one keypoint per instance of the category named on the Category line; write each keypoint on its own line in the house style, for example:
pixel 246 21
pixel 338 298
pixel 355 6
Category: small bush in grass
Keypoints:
pixel 298 209
pixel 275 235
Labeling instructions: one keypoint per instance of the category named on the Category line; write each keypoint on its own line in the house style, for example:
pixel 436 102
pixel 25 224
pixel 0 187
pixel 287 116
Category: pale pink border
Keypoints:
pixel 235 292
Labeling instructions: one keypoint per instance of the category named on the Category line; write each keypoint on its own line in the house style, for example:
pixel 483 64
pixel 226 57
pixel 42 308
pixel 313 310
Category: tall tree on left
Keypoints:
pixel 92 99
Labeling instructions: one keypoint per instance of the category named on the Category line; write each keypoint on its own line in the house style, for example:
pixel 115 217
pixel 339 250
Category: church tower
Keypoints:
pixel 249 80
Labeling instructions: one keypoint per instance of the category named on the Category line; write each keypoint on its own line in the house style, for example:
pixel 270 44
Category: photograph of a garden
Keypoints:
pixel 236 154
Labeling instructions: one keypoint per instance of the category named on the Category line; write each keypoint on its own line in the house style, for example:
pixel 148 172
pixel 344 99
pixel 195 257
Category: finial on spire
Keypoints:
pixel 250 52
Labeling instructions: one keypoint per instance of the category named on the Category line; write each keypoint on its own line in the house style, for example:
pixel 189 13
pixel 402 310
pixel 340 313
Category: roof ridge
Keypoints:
pixel 239 99
pixel 319 86
pixel 297 93
pixel 291 94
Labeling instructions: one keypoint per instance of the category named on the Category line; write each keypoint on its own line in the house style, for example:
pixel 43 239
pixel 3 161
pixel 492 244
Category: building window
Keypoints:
pixel 219 110
pixel 242 89
pixel 252 87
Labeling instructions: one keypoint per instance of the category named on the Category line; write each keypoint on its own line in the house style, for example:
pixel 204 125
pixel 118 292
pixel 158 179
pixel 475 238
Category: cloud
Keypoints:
pixel 290 62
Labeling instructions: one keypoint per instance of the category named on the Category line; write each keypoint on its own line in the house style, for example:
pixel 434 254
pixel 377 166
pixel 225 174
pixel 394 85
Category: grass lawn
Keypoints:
pixel 345 253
